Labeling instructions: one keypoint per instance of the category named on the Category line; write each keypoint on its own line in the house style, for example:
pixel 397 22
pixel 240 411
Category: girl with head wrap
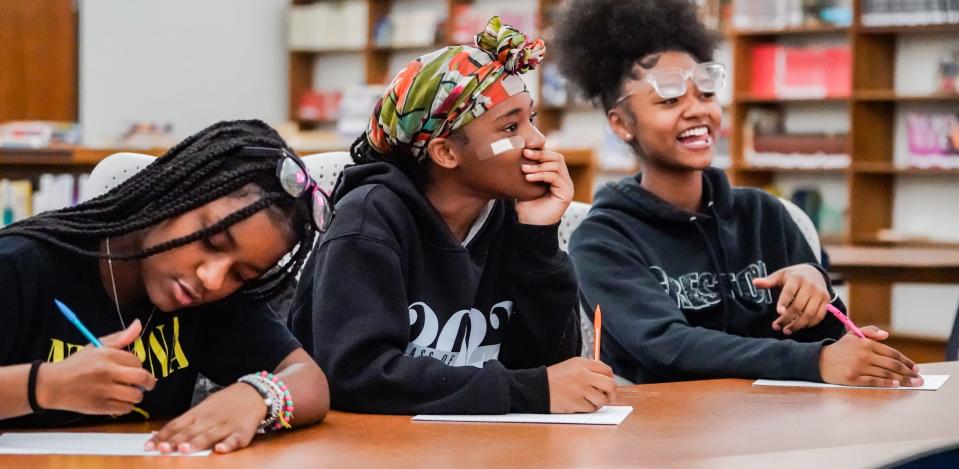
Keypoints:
pixel 440 287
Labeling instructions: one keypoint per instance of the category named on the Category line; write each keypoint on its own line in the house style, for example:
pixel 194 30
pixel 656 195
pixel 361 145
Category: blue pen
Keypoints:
pixel 72 317
pixel 69 314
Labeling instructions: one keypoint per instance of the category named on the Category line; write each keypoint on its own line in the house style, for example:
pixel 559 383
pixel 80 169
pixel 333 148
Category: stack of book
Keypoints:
pixel 779 14
pixel 909 12
pixel 323 26
pixel 18 200
pixel 801 72
pixel 767 143
pixel 933 139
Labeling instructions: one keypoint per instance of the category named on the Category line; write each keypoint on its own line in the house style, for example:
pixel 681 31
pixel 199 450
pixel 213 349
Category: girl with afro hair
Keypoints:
pixel 697 279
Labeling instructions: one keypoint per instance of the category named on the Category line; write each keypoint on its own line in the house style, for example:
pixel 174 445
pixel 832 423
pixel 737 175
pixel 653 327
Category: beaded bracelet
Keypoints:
pixel 284 418
pixel 277 398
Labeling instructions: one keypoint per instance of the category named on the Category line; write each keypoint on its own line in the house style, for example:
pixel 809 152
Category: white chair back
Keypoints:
pixel 325 168
pixel 112 171
pixel 571 219
pixel 806 227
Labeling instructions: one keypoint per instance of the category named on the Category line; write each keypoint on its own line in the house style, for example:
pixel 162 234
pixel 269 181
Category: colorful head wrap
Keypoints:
pixel 446 89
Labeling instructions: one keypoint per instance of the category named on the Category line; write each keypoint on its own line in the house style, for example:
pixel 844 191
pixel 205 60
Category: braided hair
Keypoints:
pixel 198 170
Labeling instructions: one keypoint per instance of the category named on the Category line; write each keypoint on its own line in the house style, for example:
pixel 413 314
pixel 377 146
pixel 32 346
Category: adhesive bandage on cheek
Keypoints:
pixel 501 146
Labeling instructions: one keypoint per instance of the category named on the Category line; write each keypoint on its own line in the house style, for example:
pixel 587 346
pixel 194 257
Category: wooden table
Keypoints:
pixel 689 424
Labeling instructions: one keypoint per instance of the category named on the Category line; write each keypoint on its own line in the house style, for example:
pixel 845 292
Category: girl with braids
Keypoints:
pixel 683 265
pixel 181 257
pixel 459 300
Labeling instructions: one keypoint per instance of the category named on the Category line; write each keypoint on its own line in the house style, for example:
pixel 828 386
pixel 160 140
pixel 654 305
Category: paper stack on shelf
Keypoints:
pixel 38 134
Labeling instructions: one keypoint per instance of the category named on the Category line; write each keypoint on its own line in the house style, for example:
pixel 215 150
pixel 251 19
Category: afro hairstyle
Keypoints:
pixel 599 41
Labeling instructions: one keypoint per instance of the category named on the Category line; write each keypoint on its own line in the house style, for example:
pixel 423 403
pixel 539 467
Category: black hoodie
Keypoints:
pixel 405 319
pixel 667 315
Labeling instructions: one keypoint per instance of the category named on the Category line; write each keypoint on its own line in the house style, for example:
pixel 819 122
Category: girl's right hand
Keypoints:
pixel 854 361
pixel 98 381
pixel 580 385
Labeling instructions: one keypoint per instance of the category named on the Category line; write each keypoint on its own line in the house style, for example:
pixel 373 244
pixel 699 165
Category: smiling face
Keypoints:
pixel 211 269
pixel 676 134
pixel 497 175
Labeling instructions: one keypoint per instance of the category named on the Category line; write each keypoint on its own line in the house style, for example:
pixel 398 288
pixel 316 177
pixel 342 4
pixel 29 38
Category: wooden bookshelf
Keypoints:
pixel 747 98
pixel 870 264
pixel 38 60
pixel 891 96
pixel 926 29
pixel 792 31
pixel 376 58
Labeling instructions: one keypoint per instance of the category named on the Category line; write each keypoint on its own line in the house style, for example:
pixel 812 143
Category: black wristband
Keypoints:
pixel 32 386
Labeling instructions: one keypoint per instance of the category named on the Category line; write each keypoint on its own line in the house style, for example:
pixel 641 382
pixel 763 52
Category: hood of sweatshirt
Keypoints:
pixel 629 197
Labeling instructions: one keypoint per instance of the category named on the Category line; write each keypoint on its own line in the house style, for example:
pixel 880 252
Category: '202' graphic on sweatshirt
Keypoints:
pixel 699 290
pixel 460 340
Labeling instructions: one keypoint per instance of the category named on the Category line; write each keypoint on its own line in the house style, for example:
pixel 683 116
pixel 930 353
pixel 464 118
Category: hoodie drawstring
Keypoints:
pixel 719 266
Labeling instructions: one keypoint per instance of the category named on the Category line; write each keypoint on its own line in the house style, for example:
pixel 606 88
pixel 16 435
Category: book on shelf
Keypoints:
pixel 948 76
pixel 781 14
pixel 768 144
pixel 909 12
pixel 20 198
pixel 320 106
pixel 468 18
pixel 16 200
pixel 328 25
pixel 780 71
pixel 355 109
pixel 933 139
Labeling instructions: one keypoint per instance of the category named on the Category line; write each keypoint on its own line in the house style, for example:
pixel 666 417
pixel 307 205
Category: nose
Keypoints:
pixel 213 272
pixel 696 107
pixel 535 139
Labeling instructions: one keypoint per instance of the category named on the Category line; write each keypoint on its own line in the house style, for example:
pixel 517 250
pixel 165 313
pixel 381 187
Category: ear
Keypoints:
pixel 442 153
pixel 621 124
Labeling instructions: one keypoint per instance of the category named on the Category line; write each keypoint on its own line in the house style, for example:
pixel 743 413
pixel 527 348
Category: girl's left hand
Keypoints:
pixel 551 169
pixel 803 299
pixel 226 421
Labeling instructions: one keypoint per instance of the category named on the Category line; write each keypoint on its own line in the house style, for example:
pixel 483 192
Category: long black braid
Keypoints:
pixel 198 170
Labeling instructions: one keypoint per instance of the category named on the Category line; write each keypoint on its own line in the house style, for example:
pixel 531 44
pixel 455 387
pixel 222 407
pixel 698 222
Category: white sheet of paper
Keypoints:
pixel 101 444
pixel 608 415
pixel 930 383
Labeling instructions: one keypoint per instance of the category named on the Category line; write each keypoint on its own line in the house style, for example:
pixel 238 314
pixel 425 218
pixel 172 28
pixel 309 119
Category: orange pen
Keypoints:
pixel 597 331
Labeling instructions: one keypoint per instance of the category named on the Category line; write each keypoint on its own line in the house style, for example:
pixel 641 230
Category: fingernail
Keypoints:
pixel 895 384
pixel 915 382
pixel 165 447
pixel 787 332
pixel 149 446
pixel 776 327
pixel 185 448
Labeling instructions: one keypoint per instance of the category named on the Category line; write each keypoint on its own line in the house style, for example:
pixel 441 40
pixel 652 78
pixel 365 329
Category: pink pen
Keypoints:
pixel 845 320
